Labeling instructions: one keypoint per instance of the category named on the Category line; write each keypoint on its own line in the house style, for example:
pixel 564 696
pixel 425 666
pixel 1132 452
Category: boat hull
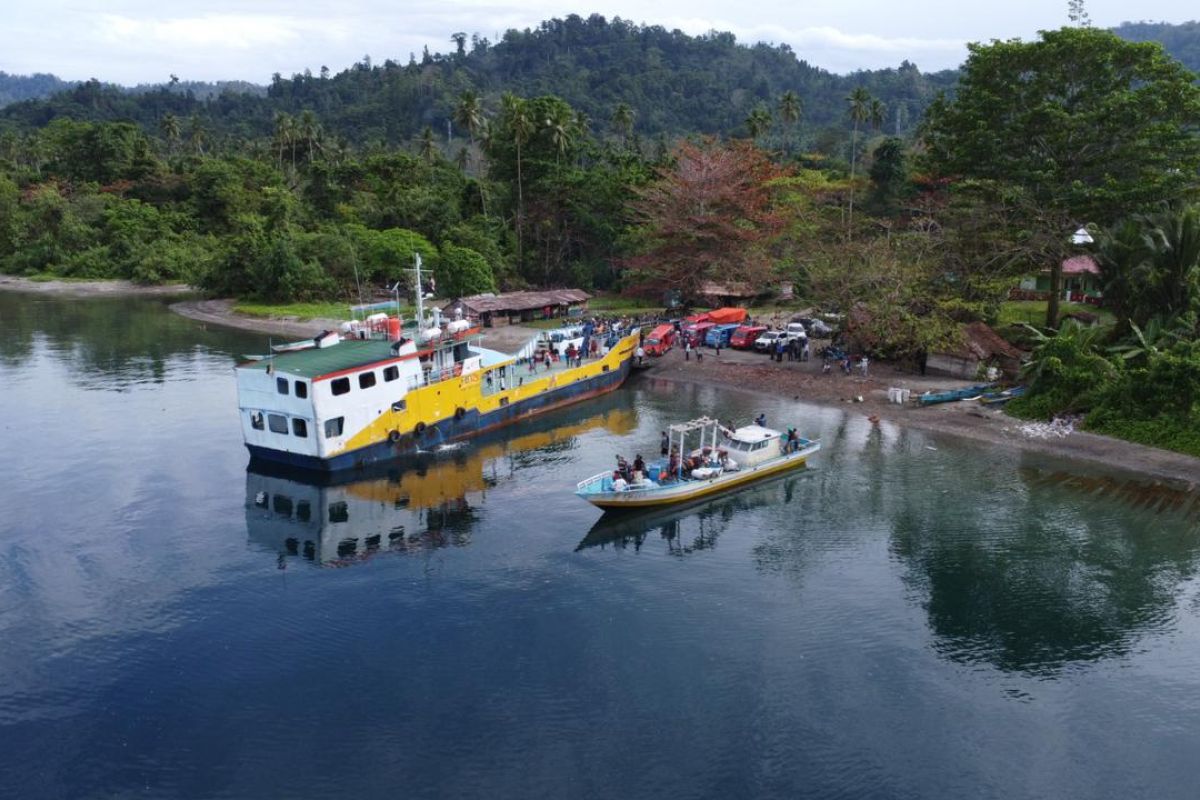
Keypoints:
pixel 688 491
pixel 450 429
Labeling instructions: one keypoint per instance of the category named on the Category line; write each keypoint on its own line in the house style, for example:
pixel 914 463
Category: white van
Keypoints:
pixel 795 330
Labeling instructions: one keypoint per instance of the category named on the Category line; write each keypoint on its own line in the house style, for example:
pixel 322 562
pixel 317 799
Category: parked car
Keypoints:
pixel 795 330
pixel 817 328
pixel 766 342
pixel 743 338
pixel 719 335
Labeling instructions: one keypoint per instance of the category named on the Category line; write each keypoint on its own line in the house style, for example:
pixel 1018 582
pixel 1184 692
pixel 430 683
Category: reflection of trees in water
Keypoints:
pixel 131 339
pixel 1032 577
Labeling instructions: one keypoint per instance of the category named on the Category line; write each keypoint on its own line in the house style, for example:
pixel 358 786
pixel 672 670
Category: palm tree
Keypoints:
pixel 460 41
pixel 560 126
pixel 622 121
pixel 758 122
pixel 860 112
pixel 197 133
pixel 789 111
pixel 520 127
pixel 426 146
pixel 309 129
pixel 168 126
pixel 1122 253
pixel 285 133
pixel 469 114
pixel 877 112
pixel 1174 281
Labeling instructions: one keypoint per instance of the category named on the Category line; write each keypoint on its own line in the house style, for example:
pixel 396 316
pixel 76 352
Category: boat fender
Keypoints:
pixel 419 428
pixel 393 436
pixel 459 413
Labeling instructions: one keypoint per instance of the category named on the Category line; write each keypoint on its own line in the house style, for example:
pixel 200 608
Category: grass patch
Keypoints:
pixel 47 277
pixel 300 311
pixel 1033 312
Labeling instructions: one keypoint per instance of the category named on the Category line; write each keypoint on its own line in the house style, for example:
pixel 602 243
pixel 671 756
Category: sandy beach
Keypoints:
pixel 14 283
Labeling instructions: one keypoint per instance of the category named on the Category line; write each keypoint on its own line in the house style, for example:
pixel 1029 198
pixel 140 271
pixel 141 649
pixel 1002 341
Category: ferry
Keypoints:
pixel 378 390
pixel 725 459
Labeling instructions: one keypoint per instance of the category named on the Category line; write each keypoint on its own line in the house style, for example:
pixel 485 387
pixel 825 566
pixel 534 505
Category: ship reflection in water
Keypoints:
pixel 422 502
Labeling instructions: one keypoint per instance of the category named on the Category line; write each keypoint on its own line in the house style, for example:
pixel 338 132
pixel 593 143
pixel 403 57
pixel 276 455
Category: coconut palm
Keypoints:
pixel 426 146
pixel 560 126
pixel 520 128
pixel 860 112
pixel 308 128
pixel 758 122
pixel 789 111
pixel 622 121
pixel 168 126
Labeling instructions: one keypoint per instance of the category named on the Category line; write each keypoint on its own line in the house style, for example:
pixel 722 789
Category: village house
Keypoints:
pixel 513 308
pixel 980 347
pixel 1080 282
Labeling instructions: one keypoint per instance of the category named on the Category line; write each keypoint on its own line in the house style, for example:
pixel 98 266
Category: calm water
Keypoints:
pixel 910 618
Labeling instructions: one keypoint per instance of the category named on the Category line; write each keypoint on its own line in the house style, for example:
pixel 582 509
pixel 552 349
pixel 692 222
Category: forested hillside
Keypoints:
pixel 671 83
pixel 14 88
pixel 1181 41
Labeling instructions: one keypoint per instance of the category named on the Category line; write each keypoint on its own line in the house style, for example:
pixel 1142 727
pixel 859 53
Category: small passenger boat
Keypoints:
pixel 953 395
pixel 724 459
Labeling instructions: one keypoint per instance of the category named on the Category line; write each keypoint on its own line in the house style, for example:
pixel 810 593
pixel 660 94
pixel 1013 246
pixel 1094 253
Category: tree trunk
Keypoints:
pixel 853 156
pixel 1055 288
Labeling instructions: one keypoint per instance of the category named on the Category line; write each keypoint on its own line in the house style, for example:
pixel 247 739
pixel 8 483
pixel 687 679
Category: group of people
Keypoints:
pixel 626 474
pixel 796 349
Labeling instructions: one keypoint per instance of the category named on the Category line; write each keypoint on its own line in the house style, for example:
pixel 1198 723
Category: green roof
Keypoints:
pixel 321 361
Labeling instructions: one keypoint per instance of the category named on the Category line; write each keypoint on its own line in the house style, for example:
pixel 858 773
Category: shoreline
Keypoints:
pixel 747 372
pixel 100 288
pixel 804 382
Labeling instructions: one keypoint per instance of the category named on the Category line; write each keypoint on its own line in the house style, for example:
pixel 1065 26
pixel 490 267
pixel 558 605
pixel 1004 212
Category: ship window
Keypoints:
pixel 333 427
pixel 281 385
pixel 256 420
pixel 300 427
pixel 339 385
pixel 303 511
pixel 391 373
pixel 366 380
pixel 283 505
pixel 301 389
pixel 277 423
pixel 347 548
pixel 339 512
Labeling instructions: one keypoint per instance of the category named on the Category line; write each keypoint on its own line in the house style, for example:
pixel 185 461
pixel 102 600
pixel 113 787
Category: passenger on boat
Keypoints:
pixel 639 464
pixel 761 420
pixel 793 440
pixel 623 468
pixel 666 444
pixel 619 483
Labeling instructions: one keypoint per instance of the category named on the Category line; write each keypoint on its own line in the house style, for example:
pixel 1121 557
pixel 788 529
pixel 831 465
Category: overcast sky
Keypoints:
pixel 142 41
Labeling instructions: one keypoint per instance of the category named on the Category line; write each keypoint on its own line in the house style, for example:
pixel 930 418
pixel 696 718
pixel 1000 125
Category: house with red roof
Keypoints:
pixel 1080 282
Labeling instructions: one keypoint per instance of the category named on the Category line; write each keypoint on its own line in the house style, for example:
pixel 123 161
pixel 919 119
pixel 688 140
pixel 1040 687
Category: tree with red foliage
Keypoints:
pixel 708 217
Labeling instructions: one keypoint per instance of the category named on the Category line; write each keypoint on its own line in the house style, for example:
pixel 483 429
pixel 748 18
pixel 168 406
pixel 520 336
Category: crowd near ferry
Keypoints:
pixel 377 389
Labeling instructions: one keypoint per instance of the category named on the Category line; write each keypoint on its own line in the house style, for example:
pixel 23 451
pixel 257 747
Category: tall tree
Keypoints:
pixel 622 121
pixel 1092 127
pixel 758 122
pixel 789 111
pixel 520 127
pixel 860 112
pixel 168 126
pixel 708 217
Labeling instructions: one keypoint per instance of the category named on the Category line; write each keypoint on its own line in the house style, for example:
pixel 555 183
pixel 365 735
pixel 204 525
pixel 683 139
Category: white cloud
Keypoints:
pixel 220 31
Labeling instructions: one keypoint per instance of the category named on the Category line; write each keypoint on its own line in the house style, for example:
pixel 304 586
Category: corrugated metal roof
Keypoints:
pixel 519 301
pixel 321 361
